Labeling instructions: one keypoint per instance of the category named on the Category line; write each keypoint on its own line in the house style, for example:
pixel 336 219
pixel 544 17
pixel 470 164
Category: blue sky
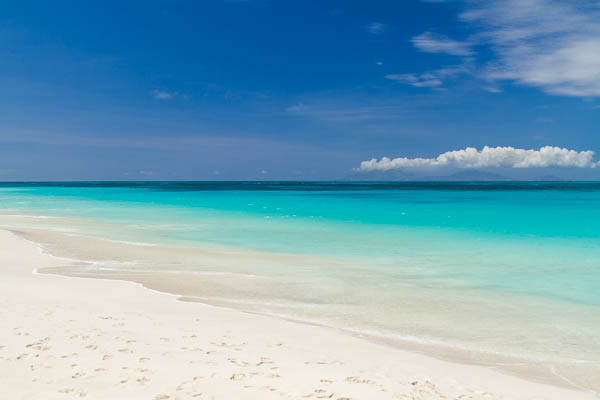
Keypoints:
pixel 286 89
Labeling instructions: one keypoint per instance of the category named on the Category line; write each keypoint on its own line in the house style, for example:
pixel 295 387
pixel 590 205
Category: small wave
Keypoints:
pixel 129 242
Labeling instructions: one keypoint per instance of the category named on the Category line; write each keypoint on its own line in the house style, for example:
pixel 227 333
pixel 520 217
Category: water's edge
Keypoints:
pixel 507 365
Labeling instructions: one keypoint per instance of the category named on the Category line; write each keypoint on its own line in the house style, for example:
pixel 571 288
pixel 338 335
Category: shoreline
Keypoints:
pixel 544 371
pixel 347 355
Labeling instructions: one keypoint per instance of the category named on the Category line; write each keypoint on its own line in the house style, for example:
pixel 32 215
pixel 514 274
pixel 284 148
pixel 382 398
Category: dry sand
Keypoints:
pixel 65 338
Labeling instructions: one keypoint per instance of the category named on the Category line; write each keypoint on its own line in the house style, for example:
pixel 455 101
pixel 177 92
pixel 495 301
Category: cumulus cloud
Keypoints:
pixel 548 156
pixel 433 43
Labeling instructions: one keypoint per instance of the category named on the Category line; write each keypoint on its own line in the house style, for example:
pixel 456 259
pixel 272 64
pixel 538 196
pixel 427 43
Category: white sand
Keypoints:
pixel 64 338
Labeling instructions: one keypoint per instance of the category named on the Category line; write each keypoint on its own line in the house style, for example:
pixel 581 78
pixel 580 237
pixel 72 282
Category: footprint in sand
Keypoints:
pixel 425 388
pixel 238 362
pixel 358 379
pixel 106 357
pixel 162 397
pixel 39 345
pixel 237 377
pixel 228 345
pixel 35 367
pixel 181 386
pixel 125 350
pixel 263 361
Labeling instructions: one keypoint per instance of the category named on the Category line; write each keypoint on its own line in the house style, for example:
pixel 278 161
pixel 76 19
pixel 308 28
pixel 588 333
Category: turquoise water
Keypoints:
pixel 492 267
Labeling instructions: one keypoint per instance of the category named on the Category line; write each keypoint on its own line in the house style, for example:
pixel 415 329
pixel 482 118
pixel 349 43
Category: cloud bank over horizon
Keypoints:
pixel 489 157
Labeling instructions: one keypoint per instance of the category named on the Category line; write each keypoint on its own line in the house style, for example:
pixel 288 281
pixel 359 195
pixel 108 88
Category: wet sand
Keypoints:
pixel 63 338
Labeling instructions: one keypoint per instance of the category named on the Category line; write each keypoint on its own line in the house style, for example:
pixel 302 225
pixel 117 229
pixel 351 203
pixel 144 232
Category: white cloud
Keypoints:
pixel 337 111
pixel 423 80
pixel 510 157
pixel 162 95
pixel 433 78
pixel 492 89
pixel 376 28
pixel 554 45
pixel 550 44
pixel 433 43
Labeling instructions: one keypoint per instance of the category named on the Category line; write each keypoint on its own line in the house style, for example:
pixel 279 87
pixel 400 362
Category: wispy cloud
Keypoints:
pixel 433 43
pixel 487 157
pixel 376 28
pixel 492 89
pixel 550 44
pixel 545 120
pixel 554 45
pixel 431 79
pixel 163 95
pixel 423 80
pixel 338 113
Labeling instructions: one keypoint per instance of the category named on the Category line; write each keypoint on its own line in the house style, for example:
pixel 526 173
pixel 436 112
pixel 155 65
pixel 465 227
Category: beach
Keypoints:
pixel 255 199
pixel 64 338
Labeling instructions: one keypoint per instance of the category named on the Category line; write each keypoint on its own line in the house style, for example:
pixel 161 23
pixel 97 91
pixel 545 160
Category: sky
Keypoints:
pixel 297 89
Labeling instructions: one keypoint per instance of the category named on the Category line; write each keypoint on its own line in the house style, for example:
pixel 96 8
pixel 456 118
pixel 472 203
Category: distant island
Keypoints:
pixel 462 175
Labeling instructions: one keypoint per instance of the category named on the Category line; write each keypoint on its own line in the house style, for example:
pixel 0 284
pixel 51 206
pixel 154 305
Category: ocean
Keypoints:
pixel 504 274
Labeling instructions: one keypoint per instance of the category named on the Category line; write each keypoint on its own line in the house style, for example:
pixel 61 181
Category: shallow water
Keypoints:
pixel 498 273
